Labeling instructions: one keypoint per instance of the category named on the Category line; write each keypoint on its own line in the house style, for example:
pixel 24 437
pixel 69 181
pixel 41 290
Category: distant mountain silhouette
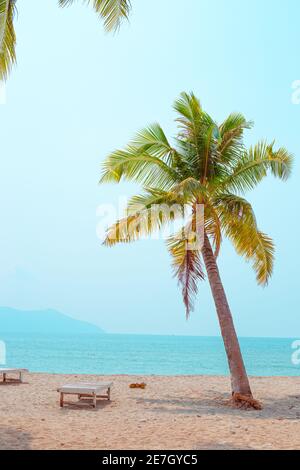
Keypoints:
pixel 43 322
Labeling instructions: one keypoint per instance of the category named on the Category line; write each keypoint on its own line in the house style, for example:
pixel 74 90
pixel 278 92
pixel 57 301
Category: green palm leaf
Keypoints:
pixel 152 198
pixel 254 165
pixel 112 11
pixel 239 224
pixel 187 267
pixel 231 133
pixel 7 37
pixel 140 222
pixel 196 135
pixel 148 159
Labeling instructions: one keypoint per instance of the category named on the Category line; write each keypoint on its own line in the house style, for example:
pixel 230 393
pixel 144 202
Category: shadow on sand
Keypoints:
pixel 14 439
pixel 286 408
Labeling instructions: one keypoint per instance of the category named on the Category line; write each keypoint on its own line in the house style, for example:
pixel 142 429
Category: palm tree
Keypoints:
pixel 210 166
pixel 111 11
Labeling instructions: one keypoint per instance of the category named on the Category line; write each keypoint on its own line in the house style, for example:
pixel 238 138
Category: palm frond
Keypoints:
pixel 239 225
pixel 197 138
pixel 128 229
pixel 152 198
pixel 231 144
pixel 255 164
pixel 153 140
pixel 187 267
pixel 210 153
pixel 189 109
pixel 146 161
pixel 190 123
pixel 141 221
pixel 190 191
pixel 7 37
pixel 187 193
pixel 112 11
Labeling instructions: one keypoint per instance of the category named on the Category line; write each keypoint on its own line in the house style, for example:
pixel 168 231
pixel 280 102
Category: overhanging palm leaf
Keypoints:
pixel 7 37
pixel 112 11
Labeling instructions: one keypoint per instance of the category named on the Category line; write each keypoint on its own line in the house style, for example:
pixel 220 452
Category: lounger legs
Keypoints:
pixel 20 377
pixel 92 396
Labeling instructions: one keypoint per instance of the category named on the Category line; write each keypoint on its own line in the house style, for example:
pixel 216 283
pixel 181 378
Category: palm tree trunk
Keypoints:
pixel 239 379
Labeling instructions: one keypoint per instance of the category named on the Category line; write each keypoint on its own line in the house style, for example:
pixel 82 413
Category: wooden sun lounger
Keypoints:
pixel 86 390
pixel 4 371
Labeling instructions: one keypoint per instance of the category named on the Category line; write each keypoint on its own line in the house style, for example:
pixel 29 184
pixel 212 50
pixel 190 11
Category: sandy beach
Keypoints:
pixel 171 413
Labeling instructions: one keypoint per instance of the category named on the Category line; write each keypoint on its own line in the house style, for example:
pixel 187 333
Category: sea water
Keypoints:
pixel 145 354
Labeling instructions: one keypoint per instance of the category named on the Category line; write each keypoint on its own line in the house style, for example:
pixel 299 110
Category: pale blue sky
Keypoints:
pixel 78 93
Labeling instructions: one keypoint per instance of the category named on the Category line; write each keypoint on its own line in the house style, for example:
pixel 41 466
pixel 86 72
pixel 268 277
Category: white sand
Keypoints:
pixel 171 413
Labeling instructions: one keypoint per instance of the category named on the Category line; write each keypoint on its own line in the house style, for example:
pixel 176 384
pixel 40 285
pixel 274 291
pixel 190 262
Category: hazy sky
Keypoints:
pixel 78 93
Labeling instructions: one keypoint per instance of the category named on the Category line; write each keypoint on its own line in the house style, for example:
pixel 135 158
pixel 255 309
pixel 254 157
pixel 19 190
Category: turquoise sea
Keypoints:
pixel 145 354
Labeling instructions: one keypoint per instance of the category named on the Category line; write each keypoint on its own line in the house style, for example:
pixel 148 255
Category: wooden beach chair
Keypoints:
pixel 86 390
pixel 4 371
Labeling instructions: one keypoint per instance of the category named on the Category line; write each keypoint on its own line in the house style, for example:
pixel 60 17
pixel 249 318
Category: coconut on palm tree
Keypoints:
pixel 111 11
pixel 208 166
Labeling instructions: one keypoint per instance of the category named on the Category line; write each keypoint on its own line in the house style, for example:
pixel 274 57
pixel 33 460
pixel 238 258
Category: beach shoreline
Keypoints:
pixel 173 412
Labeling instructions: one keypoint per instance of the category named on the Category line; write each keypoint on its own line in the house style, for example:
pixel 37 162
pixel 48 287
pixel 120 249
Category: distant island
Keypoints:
pixel 43 322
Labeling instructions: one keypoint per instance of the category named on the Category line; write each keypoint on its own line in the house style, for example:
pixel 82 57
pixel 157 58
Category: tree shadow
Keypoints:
pixel 285 408
pixel 14 439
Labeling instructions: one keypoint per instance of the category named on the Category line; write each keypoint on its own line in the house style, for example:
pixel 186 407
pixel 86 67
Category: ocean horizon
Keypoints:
pixel 132 354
